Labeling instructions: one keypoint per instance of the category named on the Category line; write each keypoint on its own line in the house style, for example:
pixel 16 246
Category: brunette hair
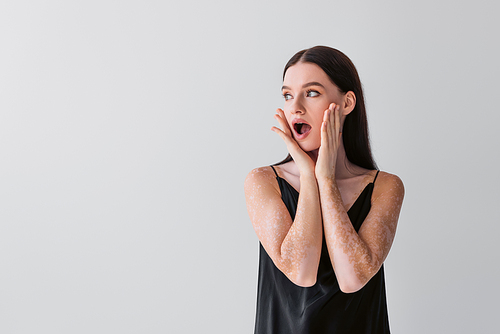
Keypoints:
pixel 344 75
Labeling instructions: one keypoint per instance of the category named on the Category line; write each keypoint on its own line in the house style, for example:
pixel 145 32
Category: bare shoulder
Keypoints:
pixel 258 178
pixel 388 184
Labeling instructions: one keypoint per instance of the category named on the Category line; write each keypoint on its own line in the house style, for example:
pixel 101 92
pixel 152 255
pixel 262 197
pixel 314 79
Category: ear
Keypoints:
pixel 349 103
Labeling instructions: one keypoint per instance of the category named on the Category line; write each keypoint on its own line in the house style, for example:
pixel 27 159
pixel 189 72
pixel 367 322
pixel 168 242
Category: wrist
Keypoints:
pixel 324 172
pixel 326 181
pixel 307 177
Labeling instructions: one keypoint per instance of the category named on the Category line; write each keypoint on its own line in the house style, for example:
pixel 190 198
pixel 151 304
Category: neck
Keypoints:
pixel 343 167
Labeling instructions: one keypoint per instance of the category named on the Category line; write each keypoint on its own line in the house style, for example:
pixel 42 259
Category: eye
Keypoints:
pixel 287 96
pixel 312 93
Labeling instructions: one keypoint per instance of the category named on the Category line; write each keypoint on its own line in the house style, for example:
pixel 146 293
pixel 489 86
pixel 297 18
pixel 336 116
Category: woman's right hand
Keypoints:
pixel 303 161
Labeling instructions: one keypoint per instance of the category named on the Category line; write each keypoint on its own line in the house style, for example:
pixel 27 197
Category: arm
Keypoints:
pixel 294 246
pixel 357 257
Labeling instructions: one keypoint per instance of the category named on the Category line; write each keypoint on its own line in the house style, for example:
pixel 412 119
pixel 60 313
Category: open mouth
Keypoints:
pixel 302 128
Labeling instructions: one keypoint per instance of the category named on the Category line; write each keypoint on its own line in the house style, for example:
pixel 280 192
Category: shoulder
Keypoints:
pixel 261 177
pixel 260 174
pixel 387 183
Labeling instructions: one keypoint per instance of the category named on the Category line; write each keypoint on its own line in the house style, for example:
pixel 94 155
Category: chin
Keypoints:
pixel 309 147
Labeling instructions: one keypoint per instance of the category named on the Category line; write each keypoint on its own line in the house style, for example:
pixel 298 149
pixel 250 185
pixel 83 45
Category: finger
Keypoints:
pixel 337 122
pixel 291 145
pixel 326 113
pixel 327 117
pixel 326 138
pixel 280 120
pixel 331 129
pixel 324 127
pixel 280 116
pixel 328 120
pixel 277 130
pixel 283 135
pixel 332 118
pixel 283 126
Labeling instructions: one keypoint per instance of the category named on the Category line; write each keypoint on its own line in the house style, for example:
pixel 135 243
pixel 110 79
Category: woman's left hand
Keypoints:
pixel 330 142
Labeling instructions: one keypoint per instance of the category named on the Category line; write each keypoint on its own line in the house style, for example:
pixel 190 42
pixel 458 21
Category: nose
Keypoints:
pixel 297 107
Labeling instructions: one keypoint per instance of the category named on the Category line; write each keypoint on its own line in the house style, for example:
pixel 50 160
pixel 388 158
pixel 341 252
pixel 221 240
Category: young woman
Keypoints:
pixel 325 216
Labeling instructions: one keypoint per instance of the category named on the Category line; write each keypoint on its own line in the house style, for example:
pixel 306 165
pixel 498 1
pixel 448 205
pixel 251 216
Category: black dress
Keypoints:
pixel 286 308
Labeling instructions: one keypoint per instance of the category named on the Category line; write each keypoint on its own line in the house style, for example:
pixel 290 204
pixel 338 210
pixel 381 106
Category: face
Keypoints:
pixel 308 92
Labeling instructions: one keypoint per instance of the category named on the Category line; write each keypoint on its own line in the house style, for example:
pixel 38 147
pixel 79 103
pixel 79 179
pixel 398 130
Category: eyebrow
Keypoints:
pixel 313 83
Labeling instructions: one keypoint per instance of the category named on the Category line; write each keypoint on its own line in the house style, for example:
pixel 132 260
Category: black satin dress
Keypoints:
pixel 285 308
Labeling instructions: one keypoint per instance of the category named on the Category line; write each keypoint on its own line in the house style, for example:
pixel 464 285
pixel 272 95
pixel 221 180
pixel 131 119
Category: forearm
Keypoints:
pixel 301 248
pixel 351 257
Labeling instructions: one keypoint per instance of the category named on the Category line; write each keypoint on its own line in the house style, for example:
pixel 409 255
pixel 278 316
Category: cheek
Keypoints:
pixel 316 136
pixel 317 123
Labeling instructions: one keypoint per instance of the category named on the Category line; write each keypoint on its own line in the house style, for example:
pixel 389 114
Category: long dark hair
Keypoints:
pixel 344 75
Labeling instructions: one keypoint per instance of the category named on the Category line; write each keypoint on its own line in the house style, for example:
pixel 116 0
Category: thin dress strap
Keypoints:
pixel 375 176
pixel 274 171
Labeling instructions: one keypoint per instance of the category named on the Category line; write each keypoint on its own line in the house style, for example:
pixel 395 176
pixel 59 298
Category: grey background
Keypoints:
pixel 128 127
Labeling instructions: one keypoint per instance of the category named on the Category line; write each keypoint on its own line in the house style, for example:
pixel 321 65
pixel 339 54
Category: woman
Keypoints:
pixel 325 216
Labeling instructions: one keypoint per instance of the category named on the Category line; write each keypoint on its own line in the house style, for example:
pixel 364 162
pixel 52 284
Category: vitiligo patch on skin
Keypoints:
pixel 356 257
pixel 295 246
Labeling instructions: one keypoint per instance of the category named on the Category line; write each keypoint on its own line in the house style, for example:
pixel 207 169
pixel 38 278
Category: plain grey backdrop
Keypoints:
pixel 127 129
